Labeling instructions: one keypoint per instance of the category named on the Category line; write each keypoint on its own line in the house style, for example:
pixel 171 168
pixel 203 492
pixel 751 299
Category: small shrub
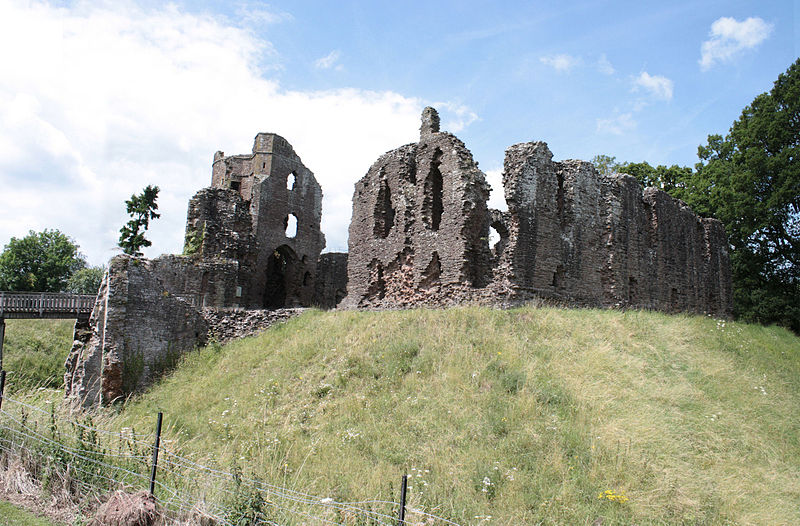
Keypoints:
pixel 193 242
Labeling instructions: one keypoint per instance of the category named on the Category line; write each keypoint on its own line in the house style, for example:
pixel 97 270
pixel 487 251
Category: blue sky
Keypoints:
pixel 99 99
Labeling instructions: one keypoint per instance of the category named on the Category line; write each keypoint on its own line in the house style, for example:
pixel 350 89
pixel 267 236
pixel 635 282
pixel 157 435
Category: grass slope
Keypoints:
pixel 34 352
pixel 11 515
pixel 524 416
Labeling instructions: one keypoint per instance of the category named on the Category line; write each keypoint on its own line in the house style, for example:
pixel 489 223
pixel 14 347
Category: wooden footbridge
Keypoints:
pixel 42 305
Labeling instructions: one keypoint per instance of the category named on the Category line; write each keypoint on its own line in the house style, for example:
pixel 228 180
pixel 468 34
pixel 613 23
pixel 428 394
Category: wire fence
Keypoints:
pixel 85 460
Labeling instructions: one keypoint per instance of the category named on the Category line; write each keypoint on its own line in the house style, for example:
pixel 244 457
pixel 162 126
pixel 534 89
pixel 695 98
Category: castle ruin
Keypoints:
pixel 253 241
pixel 419 236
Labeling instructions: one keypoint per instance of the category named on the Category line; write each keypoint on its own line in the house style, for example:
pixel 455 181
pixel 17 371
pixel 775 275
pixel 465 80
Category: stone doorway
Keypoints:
pixel 282 287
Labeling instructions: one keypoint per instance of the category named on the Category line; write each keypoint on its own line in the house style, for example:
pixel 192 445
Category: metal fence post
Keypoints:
pixel 2 337
pixel 155 455
pixel 401 518
pixel 2 386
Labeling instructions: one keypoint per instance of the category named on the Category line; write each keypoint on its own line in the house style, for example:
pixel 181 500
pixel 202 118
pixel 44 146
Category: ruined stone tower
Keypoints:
pixel 263 211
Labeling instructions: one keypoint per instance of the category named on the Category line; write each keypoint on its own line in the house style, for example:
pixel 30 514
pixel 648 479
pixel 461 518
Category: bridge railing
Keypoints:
pixel 44 304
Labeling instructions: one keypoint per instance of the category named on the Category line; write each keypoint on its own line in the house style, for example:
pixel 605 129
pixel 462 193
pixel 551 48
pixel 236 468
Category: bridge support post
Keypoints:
pixel 2 337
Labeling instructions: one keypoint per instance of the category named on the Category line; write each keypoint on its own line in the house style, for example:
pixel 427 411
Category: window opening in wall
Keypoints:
pixel 291 180
pixel 633 296
pixel 498 236
pixel 306 279
pixel 291 225
pixel 263 166
pixel 560 196
pixel 384 213
pixel 432 205
pixel 494 238
pixel 235 185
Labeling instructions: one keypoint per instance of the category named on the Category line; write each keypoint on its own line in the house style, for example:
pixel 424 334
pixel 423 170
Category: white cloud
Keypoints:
pixel 729 37
pixel 329 61
pixel 455 117
pixel 561 61
pixel 497 197
pixel 254 14
pixel 658 86
pixel 617 125
pixel 604 66
pixel 96 103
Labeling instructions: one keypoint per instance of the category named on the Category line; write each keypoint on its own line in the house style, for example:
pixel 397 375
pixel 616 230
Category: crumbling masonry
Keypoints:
pixel 253 241
pixel 420 229
pixel 419 236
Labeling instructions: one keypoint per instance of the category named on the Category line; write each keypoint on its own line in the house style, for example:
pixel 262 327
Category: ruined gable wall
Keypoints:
pixel 419 228
pixel 277 267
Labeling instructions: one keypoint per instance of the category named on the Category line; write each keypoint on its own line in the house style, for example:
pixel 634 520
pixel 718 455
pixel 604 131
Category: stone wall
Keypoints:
pixel 599 240
pixel 330 287
pixel 419 235
pixel 225 325
pixel 139 330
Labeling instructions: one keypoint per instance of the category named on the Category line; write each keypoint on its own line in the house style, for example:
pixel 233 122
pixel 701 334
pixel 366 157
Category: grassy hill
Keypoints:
pixel 34 352
pixel 524 416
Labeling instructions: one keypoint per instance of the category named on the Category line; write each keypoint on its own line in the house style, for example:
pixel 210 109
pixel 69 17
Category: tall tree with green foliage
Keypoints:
pixel 142 208
pixel 40 262
pixel 750 180
pixel 86 280
pixel 670 179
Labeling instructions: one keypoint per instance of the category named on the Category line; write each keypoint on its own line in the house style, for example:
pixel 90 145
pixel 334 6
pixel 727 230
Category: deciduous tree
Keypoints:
pixel 750 180
pixel 86 280
pixel 40 261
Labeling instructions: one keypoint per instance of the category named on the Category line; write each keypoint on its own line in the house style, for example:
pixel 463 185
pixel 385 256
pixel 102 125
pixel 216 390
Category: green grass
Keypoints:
pixel 526 415
pixel 35 351
pixel 11 515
